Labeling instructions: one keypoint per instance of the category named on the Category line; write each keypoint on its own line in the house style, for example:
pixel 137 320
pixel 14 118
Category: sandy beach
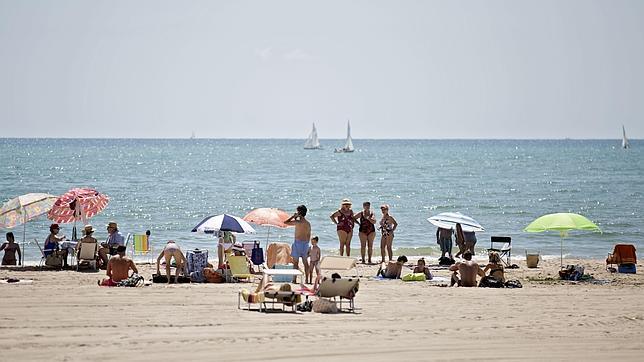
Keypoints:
pixel 63 315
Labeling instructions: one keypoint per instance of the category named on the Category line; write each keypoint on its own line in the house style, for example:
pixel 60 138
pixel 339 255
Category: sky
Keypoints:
pixel 268 69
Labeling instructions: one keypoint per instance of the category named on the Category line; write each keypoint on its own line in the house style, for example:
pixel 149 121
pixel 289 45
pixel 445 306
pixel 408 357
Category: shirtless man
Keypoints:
pixel 300 247
pixel 172 250
pixel 118 268
pixel 468 271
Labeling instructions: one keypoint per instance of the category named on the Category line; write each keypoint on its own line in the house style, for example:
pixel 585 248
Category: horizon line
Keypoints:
pixel 333 139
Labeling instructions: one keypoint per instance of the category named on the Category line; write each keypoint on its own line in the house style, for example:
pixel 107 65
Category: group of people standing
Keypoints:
pixel 465 240
pixel 346 219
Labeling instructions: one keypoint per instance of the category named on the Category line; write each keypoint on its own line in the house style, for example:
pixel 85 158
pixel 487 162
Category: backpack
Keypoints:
pixel 490 282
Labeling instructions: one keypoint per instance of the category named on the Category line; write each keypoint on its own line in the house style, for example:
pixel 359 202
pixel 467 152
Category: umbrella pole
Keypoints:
pixel 24 239
pixel 267 236
pixel 561 260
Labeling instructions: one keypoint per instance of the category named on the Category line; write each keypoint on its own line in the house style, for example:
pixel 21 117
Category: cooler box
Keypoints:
pixel 283 278
pixel 626 268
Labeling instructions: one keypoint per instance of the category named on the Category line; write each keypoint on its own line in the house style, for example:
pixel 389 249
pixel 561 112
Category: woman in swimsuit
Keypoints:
pixel 172 250
pixel 367 231
pixel 344 220
pixel 495 267
pixel 387 227
pixel 10 249
pixel 52 243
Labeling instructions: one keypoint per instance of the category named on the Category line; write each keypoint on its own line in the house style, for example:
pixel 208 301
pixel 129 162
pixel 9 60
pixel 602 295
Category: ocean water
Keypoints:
pixel 168 186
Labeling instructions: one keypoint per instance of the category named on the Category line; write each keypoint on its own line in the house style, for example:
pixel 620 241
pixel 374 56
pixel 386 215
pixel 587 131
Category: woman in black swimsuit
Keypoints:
pixel 367 230
pixel 10 249
pixel 495 267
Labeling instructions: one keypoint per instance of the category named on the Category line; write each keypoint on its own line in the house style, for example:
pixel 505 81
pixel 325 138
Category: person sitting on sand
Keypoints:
pixel 422 268
pixel 172 250
pixel 393 269
pixel 118 268
pixel 114 240
pixel 314 259
pixel 10 249
pixel 468 271
pixel 495 267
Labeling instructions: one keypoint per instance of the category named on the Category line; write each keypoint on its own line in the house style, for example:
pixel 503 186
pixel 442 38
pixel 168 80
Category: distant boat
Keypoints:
pixel 192 136
pixel 348 145
pixel 312 143
pixel 625 143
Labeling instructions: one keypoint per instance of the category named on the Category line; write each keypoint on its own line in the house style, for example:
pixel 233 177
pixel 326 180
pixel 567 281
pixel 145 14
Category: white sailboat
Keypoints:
pixel 312 143
pixel 348 145
pixel 625 143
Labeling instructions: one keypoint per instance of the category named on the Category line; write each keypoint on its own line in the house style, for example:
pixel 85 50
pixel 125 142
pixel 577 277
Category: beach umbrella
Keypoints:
pixel 77 204
pixel 268 216
pixel 23 208
pixel 562 222
pixel 448 220
pixel 224 222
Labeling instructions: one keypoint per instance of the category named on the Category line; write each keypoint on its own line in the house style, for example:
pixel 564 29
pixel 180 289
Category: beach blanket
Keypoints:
pixel 16 281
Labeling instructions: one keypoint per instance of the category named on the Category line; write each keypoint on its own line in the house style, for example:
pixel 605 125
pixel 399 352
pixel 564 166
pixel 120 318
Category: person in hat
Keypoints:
pixel 345 221
pixel 88 231
pixel 118 268
pixel 114 240
pixel 172 250
pixel 387 227
pixel 52 243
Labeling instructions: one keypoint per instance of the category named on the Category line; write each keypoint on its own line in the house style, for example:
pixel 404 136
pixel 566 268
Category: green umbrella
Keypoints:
pixel 561 222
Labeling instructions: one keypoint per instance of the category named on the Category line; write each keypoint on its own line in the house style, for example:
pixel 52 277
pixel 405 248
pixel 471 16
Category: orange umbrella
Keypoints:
pixel 268 216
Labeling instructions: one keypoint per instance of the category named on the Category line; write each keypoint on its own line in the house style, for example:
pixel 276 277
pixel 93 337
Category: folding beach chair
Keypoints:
pixel 43 257
pixel 622 254
pixel 239 269
pixel 338 290
pixel 87 256
pixel 505 249
pixel 141 245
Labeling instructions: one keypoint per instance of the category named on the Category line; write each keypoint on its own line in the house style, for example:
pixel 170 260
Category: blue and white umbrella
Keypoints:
pixel 448 220
pixel 225 222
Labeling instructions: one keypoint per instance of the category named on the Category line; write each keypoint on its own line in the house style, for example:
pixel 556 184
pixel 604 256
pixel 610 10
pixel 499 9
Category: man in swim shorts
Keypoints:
pixel 118 268
pixel 300 247
pixel 468 271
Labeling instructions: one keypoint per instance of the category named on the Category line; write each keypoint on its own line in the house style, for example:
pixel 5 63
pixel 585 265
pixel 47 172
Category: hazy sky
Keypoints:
pixel 267 69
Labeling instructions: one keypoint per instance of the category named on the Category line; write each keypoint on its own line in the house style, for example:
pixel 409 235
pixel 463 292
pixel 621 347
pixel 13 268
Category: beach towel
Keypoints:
pixel 134 281
pixel 196 260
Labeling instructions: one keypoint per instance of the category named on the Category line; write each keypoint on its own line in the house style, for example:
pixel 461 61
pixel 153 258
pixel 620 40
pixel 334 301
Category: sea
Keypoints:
pixel 167 186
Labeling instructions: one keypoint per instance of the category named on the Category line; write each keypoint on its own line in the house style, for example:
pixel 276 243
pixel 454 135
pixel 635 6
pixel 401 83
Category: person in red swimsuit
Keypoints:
pixel 343 218
pixel 367 231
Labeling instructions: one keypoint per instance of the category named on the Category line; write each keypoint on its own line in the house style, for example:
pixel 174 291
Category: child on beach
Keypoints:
pixel 314 259
pixel 421 268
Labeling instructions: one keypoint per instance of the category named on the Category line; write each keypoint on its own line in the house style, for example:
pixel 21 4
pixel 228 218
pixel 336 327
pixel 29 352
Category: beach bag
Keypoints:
pixel 134 281
pixel 257 255
pixel 322 305
pixel 212 276
pixel 445 261
pixel 513 284
pixel 414 277
pixel 54 260
pixel 490 282
pixel 571 272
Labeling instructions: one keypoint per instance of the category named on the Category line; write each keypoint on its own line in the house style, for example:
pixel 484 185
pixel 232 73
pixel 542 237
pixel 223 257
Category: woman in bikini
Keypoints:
pixel 10 249
pixel 172 250
pixel 367 231
pixel 495 267
pixel 344 220
pixel 387 227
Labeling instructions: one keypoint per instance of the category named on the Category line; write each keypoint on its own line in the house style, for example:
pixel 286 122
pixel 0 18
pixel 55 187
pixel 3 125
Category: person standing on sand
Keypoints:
pixel 345 221
pixel 10 249
pixel 468 271
pixel 387 226
pixel 172 250
pixel 460 240
pixel 444 240
pixel 300 247
pixel 367 231
pixel 118 268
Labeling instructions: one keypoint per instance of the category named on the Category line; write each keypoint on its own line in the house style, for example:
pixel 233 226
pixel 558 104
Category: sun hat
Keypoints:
pixel 54 226
pixel 88 229
pixel 346 202
pixel 384 206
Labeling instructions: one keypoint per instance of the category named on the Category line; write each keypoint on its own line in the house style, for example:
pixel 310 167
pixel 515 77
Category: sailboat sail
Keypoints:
pixel 625 143
pixel 348 146
pixel 312 142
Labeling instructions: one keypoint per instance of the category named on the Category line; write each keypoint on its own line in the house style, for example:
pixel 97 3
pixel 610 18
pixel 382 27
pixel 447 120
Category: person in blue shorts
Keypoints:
pixel 300 247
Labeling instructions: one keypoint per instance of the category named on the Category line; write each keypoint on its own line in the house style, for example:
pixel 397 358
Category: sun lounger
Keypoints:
pixel 335 289
pixel 239 269
pixel 278 253
pixel 332 262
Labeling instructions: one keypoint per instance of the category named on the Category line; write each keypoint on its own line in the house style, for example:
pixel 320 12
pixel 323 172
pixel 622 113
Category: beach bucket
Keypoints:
pixel 532 260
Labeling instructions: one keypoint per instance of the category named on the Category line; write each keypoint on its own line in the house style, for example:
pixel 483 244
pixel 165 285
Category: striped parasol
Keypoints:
pixel 77 204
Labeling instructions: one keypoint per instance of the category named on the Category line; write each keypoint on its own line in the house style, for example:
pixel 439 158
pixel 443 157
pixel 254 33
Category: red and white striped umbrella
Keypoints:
pixel 77 204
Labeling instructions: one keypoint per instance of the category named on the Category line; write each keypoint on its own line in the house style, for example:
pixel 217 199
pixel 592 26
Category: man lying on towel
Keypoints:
pixel 118 268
